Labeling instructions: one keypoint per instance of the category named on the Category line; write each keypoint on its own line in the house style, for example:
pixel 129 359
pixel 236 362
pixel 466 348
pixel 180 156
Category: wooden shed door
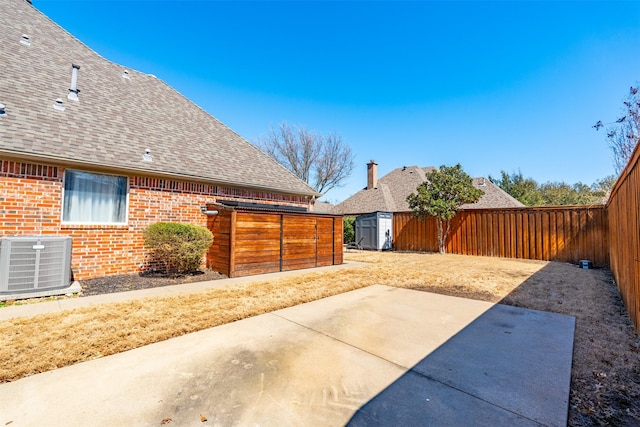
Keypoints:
pixel 325 244
pixel 299 241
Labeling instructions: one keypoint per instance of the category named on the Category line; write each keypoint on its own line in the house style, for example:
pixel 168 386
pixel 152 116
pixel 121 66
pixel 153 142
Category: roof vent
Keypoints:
pixel 125 74
pixel 73 90
pixel 146 157
pixel 482 183
pixel 2 111
pixel 59 104
pixel 25 40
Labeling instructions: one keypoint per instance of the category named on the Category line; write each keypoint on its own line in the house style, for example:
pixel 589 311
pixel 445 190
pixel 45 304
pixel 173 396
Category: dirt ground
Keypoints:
pixel 605 382
pixel 132 282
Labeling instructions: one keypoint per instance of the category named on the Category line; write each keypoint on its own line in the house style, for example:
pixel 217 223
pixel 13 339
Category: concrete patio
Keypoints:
pixel 374 356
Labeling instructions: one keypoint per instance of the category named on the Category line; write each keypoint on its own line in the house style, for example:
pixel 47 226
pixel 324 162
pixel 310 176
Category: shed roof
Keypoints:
pixel 119 114
pixel 266 208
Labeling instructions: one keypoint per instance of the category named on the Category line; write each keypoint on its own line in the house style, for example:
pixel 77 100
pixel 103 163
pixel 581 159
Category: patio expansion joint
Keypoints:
pixel 405 368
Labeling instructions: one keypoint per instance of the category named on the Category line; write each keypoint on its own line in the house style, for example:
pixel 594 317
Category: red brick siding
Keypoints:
pixel 31 204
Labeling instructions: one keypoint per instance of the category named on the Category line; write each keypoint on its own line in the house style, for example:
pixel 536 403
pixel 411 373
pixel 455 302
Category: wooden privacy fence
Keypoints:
pixel 624 236
pixel 545 233
pixel 249 241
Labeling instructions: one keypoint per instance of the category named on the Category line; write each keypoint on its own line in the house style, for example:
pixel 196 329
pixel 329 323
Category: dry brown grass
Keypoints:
pixel 41 343
pixel 605 374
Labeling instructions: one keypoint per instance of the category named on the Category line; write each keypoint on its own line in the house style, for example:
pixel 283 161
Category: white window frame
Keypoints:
pixel 90 223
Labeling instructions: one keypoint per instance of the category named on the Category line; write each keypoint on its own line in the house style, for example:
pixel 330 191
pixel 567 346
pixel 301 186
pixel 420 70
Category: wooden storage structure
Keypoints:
pixel 251 240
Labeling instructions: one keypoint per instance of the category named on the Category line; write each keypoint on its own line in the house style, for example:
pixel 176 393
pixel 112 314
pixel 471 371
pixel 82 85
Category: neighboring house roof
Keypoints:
pixel 494 196
pixel 119 114
pixel 390 194
pixel 322 207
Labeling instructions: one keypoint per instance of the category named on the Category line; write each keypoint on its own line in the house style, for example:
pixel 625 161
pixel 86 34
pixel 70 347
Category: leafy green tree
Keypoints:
pixel 441 195
pixel 602 187
pixel 530 193
pixel 525 190
pixel 349 226
pixel 559 194
pixel 563 194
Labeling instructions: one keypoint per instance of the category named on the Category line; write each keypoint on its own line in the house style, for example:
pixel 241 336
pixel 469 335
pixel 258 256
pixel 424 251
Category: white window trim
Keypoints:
pixel 90 224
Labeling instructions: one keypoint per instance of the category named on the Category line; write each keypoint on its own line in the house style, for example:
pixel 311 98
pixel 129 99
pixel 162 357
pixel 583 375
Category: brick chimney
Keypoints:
pixel 372 175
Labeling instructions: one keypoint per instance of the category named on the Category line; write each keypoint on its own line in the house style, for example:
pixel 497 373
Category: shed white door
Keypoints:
pixel 384 233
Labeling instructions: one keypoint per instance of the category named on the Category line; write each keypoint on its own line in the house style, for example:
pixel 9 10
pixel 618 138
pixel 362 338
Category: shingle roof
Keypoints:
pixel 391 194
pixel 116 118
pixel 494 196
pixel 322 207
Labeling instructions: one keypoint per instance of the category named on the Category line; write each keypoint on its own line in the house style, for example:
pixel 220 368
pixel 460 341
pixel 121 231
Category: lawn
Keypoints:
pixel 605 383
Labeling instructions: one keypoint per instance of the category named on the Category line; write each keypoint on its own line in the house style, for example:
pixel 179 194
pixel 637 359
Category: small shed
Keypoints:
pixel 374 231
pixel 250 238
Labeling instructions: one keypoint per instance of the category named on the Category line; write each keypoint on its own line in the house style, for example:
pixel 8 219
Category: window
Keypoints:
pixel 92 198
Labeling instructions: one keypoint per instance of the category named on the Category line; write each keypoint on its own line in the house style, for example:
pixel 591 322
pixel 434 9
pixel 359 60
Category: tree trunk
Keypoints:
pixel 442 235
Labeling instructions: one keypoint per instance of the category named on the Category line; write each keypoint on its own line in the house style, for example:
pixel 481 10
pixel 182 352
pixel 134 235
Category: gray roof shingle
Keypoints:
pixel 322 207
pixel 116 118
pixel 391 194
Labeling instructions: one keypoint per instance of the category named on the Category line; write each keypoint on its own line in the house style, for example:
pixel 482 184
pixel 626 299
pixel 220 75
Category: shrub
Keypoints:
pixel 349 223
pixel 179 247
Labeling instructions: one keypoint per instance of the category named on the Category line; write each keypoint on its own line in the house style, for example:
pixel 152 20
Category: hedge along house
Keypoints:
pixel 95 151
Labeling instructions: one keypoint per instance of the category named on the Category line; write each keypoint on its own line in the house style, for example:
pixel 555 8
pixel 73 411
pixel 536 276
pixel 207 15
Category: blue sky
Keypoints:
pixel 513 85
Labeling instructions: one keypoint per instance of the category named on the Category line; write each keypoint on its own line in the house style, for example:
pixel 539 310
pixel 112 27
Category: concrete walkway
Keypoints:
pixel 374 356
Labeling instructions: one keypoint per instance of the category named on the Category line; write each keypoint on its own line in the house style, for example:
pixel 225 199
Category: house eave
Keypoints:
pixel 98 167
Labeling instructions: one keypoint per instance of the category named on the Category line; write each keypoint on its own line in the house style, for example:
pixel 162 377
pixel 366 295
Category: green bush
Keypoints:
pixel 349 223
pixel 179 247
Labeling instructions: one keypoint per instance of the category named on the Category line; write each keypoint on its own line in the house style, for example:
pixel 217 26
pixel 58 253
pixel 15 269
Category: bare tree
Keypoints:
pixel 323 162
pixel 624 133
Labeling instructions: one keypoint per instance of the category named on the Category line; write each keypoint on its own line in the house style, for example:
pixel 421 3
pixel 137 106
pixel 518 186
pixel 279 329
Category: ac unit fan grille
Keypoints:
pixel 34 263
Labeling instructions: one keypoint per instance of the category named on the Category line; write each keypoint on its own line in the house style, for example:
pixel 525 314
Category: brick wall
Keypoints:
pixel 31 204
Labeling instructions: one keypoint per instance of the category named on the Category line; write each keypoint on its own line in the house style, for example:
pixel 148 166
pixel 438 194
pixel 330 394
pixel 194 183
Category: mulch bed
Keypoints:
pixel 132 282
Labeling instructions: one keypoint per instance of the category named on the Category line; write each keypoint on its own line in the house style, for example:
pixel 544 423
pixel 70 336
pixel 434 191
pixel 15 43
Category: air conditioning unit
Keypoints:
pixel 34 263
